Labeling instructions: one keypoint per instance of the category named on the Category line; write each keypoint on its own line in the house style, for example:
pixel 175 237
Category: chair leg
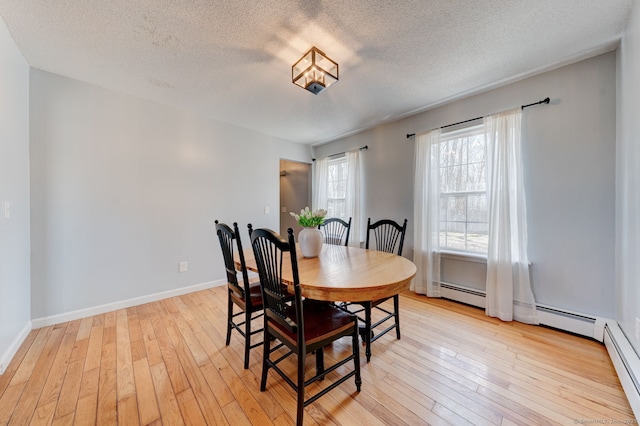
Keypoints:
pixel 266 346
pixel 247 337
pixel 356 357
pixel 229 318
pixel 367 329
pixel 396 307
pixel 301 357
pixel 320 362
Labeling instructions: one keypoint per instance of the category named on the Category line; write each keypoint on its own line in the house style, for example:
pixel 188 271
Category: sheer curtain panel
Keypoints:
pixel 320 183
pixel 352 194
pixel 509 295
pixel 426 211
pixel 353 197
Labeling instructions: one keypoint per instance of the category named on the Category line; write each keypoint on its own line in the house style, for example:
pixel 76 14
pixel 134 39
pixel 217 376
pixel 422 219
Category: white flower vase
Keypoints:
pixel 310 242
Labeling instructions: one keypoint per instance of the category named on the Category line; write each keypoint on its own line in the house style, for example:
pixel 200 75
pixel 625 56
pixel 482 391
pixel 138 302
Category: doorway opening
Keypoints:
pixel 295 192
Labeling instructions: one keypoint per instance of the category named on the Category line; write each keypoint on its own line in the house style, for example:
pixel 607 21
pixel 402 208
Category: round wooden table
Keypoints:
pixel 347 274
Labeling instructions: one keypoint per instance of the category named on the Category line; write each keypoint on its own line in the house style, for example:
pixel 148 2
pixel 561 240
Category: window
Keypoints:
pixel 337 188
pixel 463 190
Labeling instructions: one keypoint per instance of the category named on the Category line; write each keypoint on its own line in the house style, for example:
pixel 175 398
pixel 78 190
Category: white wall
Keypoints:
pixel 569 155
pixel 628 181
pixel 14 188
pixel 123 189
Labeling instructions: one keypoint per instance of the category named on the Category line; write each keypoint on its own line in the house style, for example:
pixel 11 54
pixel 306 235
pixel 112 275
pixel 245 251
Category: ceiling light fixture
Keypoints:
pixel 315 71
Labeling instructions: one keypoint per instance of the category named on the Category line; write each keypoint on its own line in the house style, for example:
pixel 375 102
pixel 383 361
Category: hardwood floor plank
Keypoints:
pixel 145 392
pixel 94 349
pixel 107 387
pixel 125 381
pixel 174 369
pixel 152 348
pixel 167 401
pixel 84 328
pixel 128 411
pixel 236 416
pixel 88 397
pixel 190 408
pixel 26 405
pixel 43 414
pixel 70 389
pixel 26 367
pixel 208 405
pixel 58 370
pixel 64 421
pixel 166 363
pixel 18 358
pixel 239 391
pixel 71 385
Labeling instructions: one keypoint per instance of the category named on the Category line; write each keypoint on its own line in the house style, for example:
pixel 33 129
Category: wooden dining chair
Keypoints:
pixel 246 296
pixel 303 326
pixel 388 236
pixel 336 231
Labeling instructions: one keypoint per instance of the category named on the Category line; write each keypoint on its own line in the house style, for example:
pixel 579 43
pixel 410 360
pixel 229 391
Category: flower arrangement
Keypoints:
pixel 308 219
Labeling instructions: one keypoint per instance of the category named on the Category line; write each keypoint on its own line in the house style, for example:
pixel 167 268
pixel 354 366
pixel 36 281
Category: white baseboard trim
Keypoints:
pixel 8 355
pixel 108 307
pixel 626 362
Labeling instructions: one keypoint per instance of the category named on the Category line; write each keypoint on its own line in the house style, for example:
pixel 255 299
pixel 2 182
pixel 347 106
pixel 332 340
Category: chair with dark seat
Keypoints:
pixel 388 237
pixel 336 231
pixel 246 296
pixel 300 326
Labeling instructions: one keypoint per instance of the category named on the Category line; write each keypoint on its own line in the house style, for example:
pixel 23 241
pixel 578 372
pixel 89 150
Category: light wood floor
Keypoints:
pixel 166 363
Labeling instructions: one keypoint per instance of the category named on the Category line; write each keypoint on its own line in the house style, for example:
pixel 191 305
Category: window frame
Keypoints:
pixel 460 132
pixel 333 161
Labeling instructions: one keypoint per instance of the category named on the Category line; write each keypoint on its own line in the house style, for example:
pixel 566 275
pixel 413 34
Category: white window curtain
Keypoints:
pixel 426 253
pixel 320 183
pixel 353 196
pixel 509 295
pixel 353 193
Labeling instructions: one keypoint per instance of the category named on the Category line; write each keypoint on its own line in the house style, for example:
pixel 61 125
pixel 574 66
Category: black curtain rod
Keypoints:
pixel 544 101
pixel 344 152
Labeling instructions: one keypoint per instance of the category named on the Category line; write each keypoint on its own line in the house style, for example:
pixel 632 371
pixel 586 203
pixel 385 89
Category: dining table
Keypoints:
pixel 346 274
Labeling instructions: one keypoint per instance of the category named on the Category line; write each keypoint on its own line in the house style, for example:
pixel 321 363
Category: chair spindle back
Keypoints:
pixel 270 251
pixel 388 235
pixel 336 231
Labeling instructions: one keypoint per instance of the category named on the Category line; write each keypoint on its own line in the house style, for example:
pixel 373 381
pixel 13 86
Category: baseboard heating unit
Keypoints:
pixel 626 362
pixel 624 358
pixel 562 319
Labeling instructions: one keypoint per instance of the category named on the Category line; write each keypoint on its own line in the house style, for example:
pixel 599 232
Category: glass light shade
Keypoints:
pixel 315 71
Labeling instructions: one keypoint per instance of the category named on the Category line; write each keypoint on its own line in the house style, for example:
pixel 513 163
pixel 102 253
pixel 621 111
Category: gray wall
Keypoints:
pixel 123 189
pixel 14 188
pixel 628 181
pixel 569 156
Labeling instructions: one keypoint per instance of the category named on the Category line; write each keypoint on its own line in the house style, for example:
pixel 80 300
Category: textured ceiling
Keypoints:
pixel 231 60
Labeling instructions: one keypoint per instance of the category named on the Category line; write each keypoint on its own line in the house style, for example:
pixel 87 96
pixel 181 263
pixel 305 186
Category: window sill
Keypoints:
pixel 463 256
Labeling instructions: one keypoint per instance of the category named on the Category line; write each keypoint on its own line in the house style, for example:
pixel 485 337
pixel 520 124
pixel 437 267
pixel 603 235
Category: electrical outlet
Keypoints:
pixel 637 328
pixel 1 368
pixel 266 210
pixel 182 266
pixel 7 210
